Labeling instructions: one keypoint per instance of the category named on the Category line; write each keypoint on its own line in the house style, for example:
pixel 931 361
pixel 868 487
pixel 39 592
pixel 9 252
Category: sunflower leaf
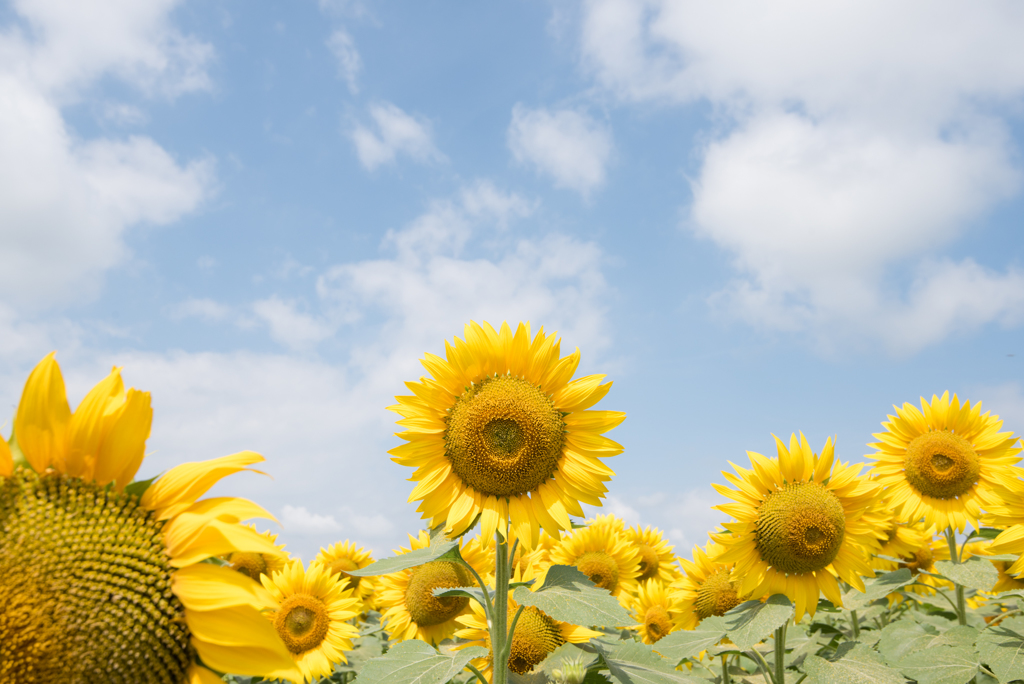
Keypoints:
pixel 474 593
pixel 569 596
pixel 859 665
pixel 753 621
pixel 974 573
pixel 416 662
pixel 1001 647
pixel 877 588
pixel 941 665
pixel 440 547
pixel 902 637
pixel 631 662
pixel 687 643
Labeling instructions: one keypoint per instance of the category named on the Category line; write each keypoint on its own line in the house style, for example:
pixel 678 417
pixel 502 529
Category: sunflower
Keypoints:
pixel 603 554
pixel 1006 581
pixel 656 609
pixel 346 555
pixel 657 559
pixel 707 588
pixel 499 432
pixel 1007 515
pixel 310 612
pixel 902 540
pixel 921 563
pixel 256 564
pixel 406 599
pixel 945 462
pixel 97 583
pixel 535 637
pixel 797 525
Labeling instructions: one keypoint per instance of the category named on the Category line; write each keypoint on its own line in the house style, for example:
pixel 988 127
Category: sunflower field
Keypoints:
pixel 904 569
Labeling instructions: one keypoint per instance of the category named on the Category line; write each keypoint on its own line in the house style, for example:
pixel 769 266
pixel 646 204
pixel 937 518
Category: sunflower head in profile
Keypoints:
pixel 706 588
pixel 311 612
pixel 603 554
pixel 255 564
pixel 902 540
pixel 945 462
pixel 797 523
pixel 657 559
pixel 99 584
pixel 501 432
pixel 921 563
pixel 536 634
pixel 342 557
pixel 406 598
pixel 657 610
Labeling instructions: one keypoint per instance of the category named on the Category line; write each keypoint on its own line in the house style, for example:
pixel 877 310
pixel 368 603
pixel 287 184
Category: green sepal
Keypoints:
pixel 139 487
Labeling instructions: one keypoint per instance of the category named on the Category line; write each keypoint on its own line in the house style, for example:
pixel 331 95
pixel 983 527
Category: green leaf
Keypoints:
pixel 942 665
pixel 974 573
pixel 1004 557
pixel 569 595
pixel 440 546
pixel 17 455
pixel 877 588
pixel 753 621
pixel 688 643
pixel 475 593
pixel 902 637
pixel 964 635
pixel 631 662
pixel 416 662
pixel 860 665
pixel 985 533
pixel 139 487
pixel 1002 648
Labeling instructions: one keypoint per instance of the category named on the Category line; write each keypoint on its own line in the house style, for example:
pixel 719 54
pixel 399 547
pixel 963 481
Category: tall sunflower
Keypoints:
pixel 499 432
pixel 310 612
pixel 797 524
pixel 603 554
pixel 707 588
pixel 407 602
pixel 945 462
pixel 344 556
pixel 98 584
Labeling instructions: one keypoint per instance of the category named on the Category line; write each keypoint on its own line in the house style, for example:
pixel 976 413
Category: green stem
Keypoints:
pixel 488 606
pixel 725 670
pixel 856 624
pixel 780 653
pixel 961 603
pixel 478 673
pixel 499 618
pixel 763 664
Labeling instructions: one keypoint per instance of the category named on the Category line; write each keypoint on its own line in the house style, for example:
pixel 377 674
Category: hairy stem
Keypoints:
pixel 780 653
pixel 961 603
pixel 499 620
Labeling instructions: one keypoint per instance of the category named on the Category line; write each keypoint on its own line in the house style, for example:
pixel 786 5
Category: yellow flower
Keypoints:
pixel 945 462
pixel 656 609
pixel 96 582
pixel 797 525
pixel 657 559
pixel 707 588
pixel 407 602
pixel 256 564
pixel 343 556
pixel 535 637
pixel 1006 581
pixel 500 432
pixel 921 563
pixel 310 612
pixel 902 540
pixel 603 554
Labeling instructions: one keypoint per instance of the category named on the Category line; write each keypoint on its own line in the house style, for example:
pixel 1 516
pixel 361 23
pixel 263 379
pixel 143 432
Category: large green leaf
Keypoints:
pixel 903 637
pixel 416 662
pixel 753 621
pixel 440 546
pixel 569 595
pixel 688 643
pixel 941 665
pixel 631 662
pixel 974 573
pixel 877 588
pixel 859 665
pixel 957 636
pixel 1002 648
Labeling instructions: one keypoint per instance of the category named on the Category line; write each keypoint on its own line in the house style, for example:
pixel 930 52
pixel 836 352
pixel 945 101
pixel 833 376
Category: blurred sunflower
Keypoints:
pixel 707 588
pixel 310 612
pixel 536 633
pixel 657 559
pixel 98 584
pixel 657 610
pixel 343 556
pixel 407 602
pixel 256 564
pixel 945 462
pixel 902 540
pixel 921 563
pixel 1006 581
pixel 601 553
pixel 499 432
pixel 797 525
pixel 1007 515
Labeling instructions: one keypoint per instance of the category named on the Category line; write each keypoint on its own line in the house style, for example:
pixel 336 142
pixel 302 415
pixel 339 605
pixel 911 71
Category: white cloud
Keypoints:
pixel 289 326
pixel 203 309
pixel 569 146
pixel 848 157
pixel 299 520
pixel 67 203
pixel 350 63
pixel 396 133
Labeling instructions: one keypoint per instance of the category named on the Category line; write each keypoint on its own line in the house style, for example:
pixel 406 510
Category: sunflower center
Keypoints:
pixel 923 559
pixel 941 464
pixel 302 622
pixel 535 637
pixel 339 567
pixel 657 622
pixel 504 436
pixel 601 568
pixel 716 595
pixel 85 588
pixel 649 563
pixel 800 527
pixel 425 608
pixel 251 564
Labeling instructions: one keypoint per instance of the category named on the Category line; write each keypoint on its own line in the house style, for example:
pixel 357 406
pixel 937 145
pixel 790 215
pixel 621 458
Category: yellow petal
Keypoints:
pixel 124 446
pixel 197 674
pixel 180 486
pixel 90 423
pixel 6 459
pixel 257 661
pixel 210 587
pixel 43 416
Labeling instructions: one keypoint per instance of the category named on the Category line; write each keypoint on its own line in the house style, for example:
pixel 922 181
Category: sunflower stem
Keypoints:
pixel 487 605
pixel 499 619
pixel 856 624
pixel 961 603
pixel 478 673
pixel 725 670
pixel 763 664
pixel 780 653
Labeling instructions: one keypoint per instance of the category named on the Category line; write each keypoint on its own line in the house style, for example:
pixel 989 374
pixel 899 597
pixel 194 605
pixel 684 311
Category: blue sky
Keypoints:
pixel 754 221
